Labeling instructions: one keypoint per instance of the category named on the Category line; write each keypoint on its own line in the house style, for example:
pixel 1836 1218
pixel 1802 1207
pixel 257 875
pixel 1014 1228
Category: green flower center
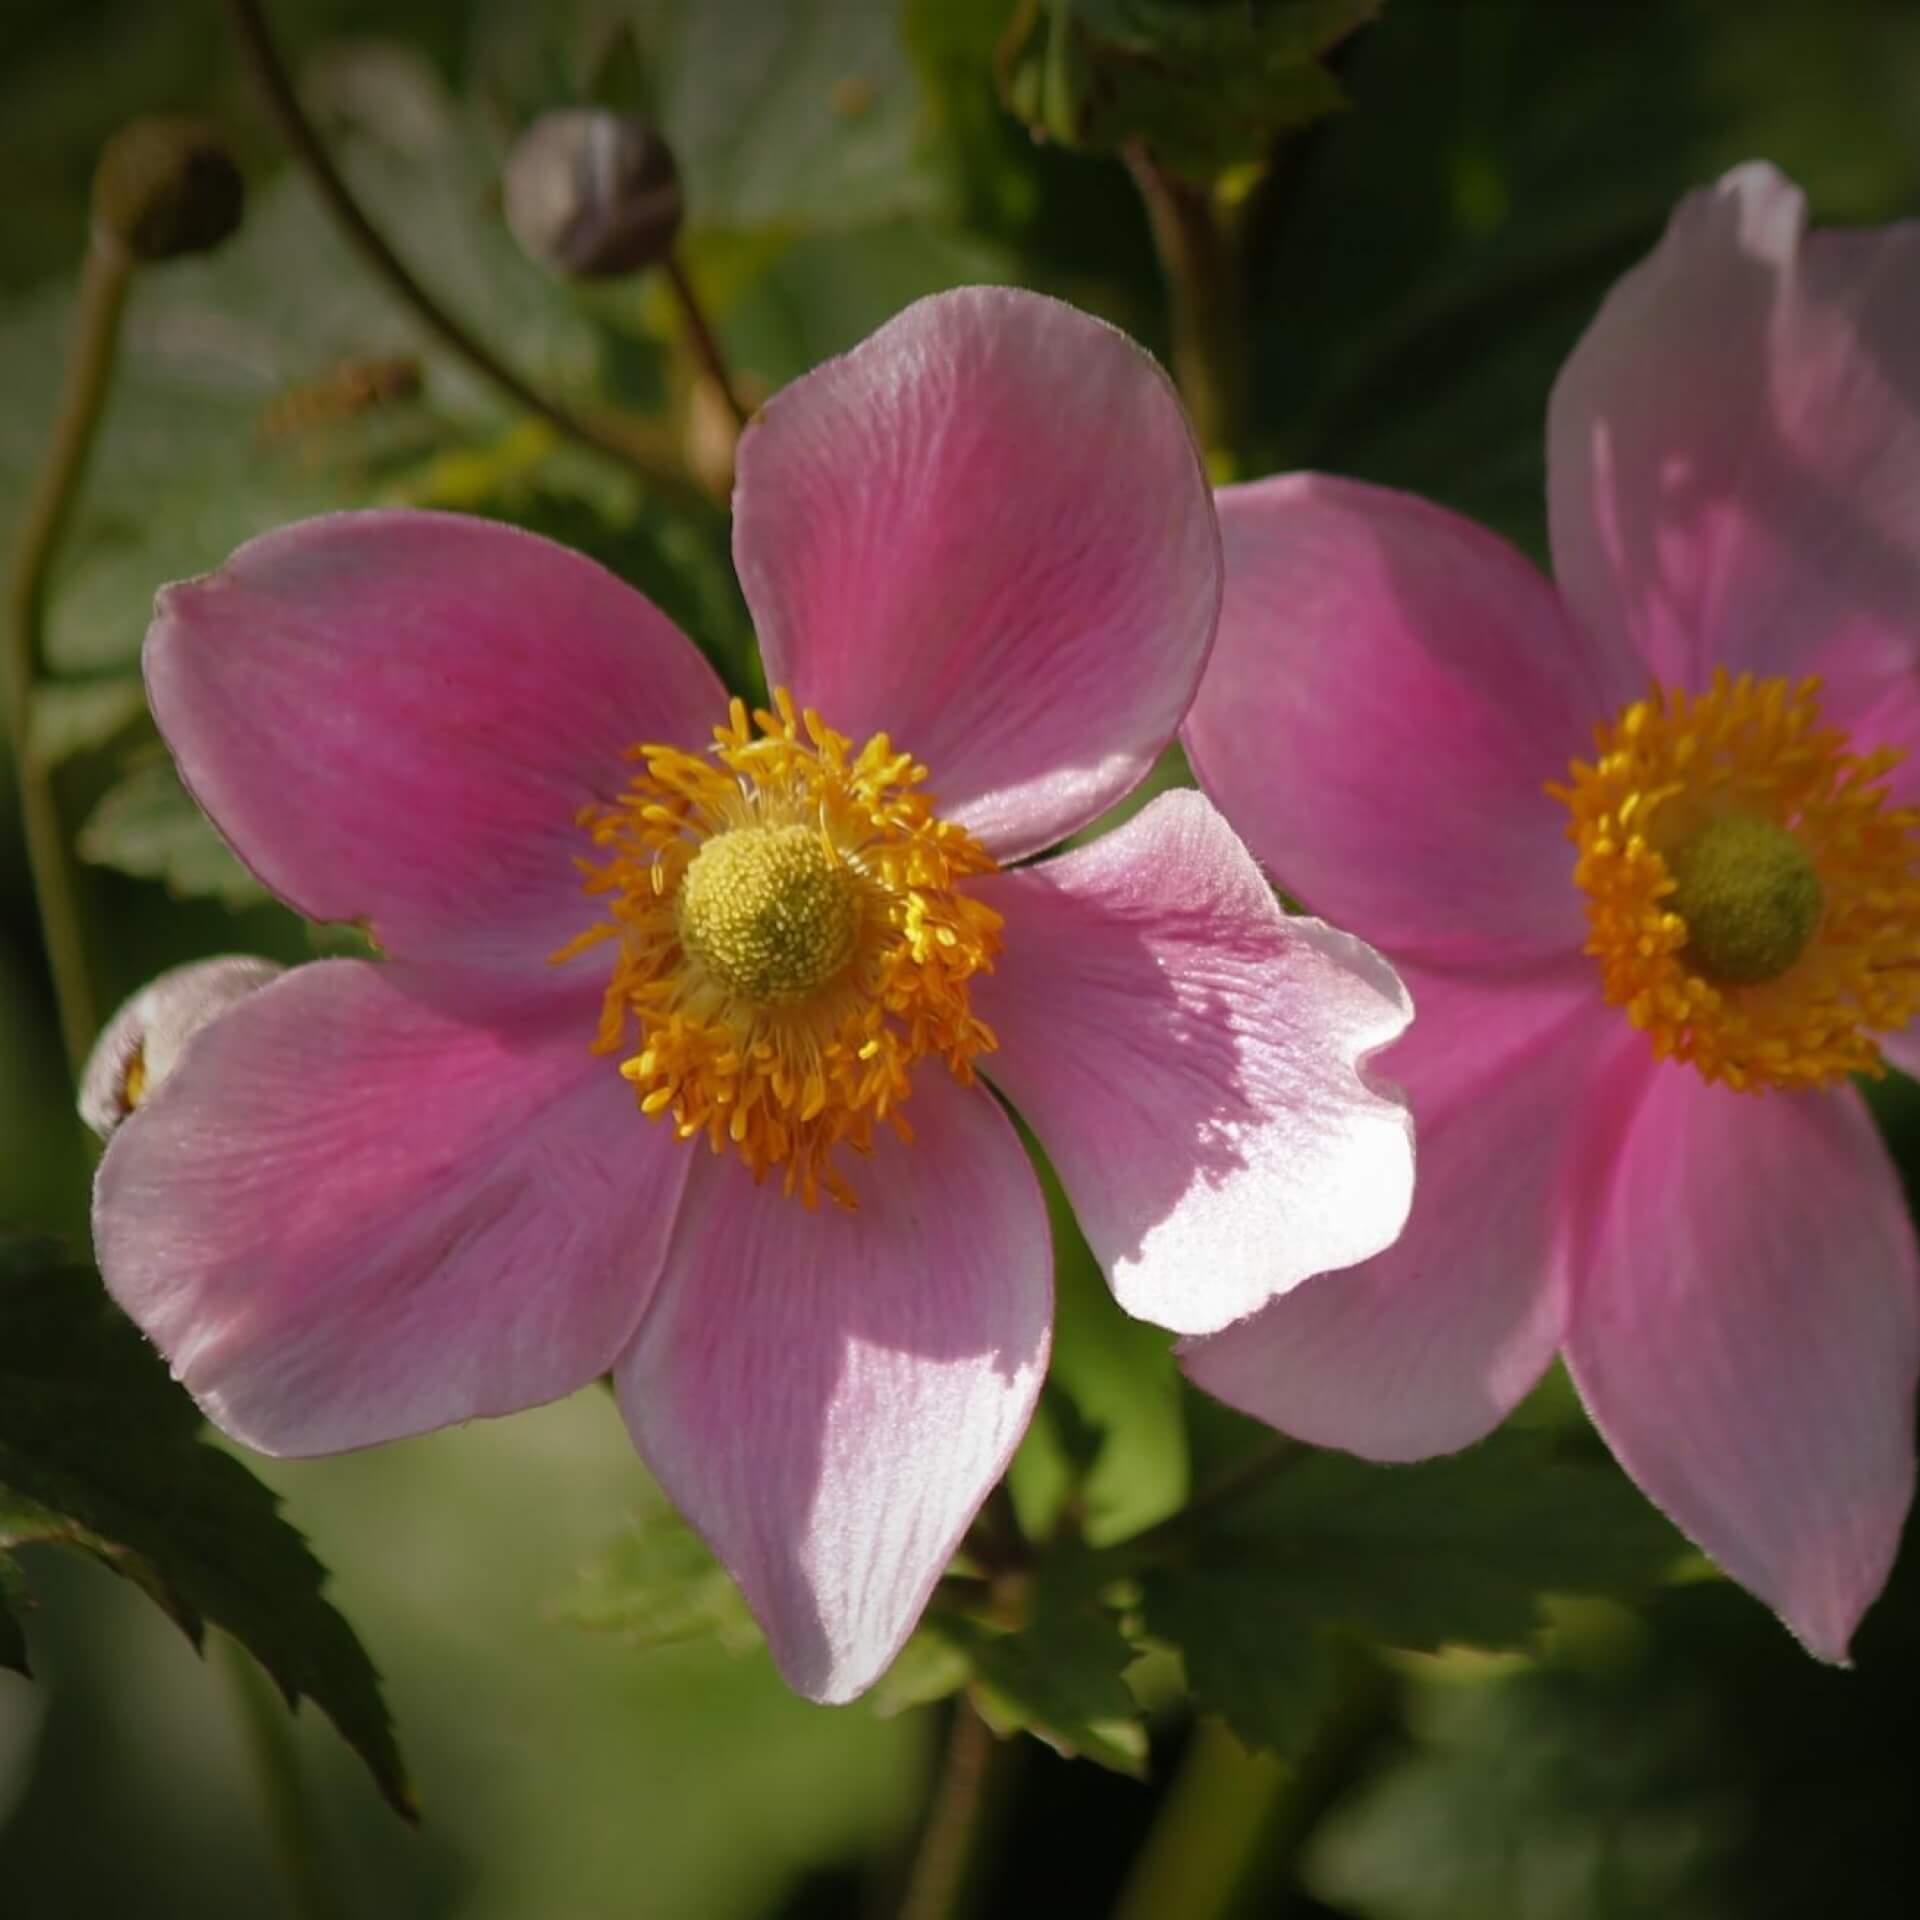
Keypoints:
pixel 772 913
pixel 1749 896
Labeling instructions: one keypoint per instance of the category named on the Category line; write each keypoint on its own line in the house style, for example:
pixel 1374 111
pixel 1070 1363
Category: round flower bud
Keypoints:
pixel 167 186
pixel 591 194
pixel 143 1042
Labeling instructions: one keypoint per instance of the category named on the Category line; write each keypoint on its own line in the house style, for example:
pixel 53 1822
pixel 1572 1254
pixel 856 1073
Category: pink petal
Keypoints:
pixel 144 1040
pixel 1747 1336
pixel 829 1396
pixel 1902 1049
pixel 986 532
pixel 1886 716
pixel 1734 450
pixel 397 716
pixel 1390 690
pixel 1194 1062
pixel 1429 1346
pixel 347 1216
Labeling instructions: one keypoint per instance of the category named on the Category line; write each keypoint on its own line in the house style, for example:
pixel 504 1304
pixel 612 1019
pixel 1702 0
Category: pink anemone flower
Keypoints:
pixel 668 1069
pixel 1639 1144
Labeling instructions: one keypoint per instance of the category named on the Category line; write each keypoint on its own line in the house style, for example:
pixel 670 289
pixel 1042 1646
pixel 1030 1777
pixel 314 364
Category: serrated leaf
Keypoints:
pixel 1452 1551
pixel 1205 84
pixel 149 826
pixel 658 1585
pixel 1060 1675
pixel 102 1453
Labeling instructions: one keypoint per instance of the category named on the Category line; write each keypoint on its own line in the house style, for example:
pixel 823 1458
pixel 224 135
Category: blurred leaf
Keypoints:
pixel 658 1585
pixel 1206 84
pixel 102 1453
pixel 245 395
pixel 801 113
pixel 1453 1551
pixel 1521 1782
pixel 826 290
pixel 149 826
pixel 71 716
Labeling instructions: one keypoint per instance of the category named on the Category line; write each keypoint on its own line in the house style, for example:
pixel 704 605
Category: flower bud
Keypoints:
pixel 167 186
pixel 591 194
pixel 143 1042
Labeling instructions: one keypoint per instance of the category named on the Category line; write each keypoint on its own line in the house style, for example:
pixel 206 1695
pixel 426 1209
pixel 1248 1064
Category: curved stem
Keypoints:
pixel 700 337
pixel 944 1865
pixel 104 281
pixel 263 56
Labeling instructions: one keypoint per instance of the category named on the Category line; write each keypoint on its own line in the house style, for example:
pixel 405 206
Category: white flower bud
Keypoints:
pixel 143 1042
pixel 592 194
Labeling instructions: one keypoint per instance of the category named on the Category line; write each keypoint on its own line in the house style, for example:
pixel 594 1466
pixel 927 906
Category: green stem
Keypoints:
pixel 1205 290
pixel 1208 1827
pixel 701 339
pixel 636 454
pixel 1231 1832
pixel 104 281
pixel 946 1865
pixel 268 1728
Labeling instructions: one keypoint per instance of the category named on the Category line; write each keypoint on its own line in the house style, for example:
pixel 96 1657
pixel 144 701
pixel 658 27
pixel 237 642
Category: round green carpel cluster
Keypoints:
pixel 772 913
pixel 1750 898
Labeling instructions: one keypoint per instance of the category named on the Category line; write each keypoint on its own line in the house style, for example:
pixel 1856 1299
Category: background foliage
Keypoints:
pixel 589 1726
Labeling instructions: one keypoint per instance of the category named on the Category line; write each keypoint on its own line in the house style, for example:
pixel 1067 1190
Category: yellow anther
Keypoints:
pixel 791 936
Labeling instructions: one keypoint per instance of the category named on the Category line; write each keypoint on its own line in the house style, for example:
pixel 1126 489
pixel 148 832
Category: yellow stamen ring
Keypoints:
pixel 791 940
pixel 1752 899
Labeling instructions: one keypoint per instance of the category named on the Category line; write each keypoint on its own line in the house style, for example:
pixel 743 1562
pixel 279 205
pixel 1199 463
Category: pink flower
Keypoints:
pixel 1393 716
pixel 376 1198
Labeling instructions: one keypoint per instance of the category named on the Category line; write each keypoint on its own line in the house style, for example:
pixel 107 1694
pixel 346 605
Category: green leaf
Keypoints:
pixel 1108 1434
pixel 800 113
pixel 149 826
pixel 658 1585
pixel 245 394
pixel 74 716
pixel 102 1453
pixel 1061 1675
pixel 1451 1551
pixel 929 1667
pixel 1206 84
